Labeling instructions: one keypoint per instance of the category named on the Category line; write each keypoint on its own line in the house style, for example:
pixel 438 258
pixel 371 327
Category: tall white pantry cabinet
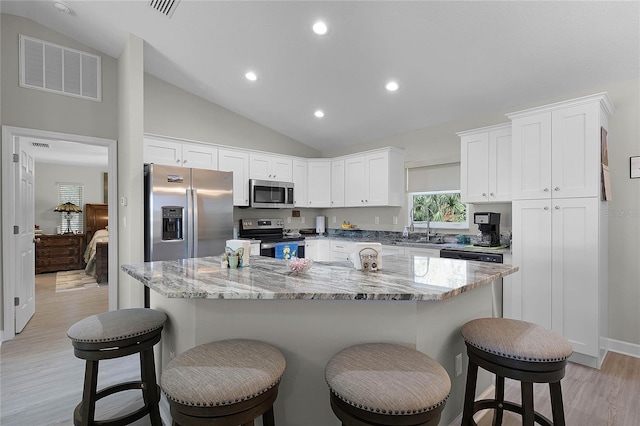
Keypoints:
pixel 560 222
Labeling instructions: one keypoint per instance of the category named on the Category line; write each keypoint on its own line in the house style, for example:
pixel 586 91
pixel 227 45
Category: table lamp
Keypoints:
pixel 67 209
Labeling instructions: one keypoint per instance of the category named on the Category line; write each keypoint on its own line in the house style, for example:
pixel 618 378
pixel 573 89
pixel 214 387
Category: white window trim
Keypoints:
pixel 435 225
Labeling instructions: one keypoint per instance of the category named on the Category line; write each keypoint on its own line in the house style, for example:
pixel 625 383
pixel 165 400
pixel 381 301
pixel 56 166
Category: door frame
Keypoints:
pixel 8 219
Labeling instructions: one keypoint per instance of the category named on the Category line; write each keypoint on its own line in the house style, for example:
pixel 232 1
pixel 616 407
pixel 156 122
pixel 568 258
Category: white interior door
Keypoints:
pixel 25 288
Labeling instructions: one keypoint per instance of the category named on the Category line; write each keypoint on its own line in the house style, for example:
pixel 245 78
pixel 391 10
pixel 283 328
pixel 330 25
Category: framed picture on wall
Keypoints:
pixel 634 167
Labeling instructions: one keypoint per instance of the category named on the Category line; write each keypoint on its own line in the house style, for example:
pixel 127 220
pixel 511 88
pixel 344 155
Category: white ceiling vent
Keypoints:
pixel 53 68
pixel 166 7
pixel 40 145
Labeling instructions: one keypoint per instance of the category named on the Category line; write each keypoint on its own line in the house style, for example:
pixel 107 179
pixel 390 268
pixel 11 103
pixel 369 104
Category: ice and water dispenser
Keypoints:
pixel 172 223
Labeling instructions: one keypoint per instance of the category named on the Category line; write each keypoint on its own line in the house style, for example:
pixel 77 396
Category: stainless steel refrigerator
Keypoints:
pixel 188 212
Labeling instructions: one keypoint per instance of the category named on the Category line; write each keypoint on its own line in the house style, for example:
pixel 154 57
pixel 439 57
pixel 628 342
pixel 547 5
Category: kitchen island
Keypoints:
pixel 417 301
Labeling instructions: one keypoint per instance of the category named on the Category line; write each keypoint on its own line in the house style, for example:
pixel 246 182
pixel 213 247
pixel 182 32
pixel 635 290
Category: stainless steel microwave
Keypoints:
pixel 270 194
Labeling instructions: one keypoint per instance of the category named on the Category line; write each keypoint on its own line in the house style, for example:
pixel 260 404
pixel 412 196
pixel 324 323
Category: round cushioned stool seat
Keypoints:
pixel 387 379
pixel 114 326
pixel 519 340
pixel 223 373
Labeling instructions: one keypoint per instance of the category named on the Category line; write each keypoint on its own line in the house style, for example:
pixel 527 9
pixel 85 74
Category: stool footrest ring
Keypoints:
pixel 487 404
pixel 122 420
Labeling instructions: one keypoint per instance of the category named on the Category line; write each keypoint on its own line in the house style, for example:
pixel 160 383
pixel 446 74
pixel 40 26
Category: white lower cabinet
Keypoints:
pixel 341 250
pixel 427 252
pixel 319 249
pixel 390 250
pixel 560 246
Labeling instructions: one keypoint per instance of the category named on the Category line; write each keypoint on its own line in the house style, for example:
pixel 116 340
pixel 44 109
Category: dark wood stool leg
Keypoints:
pixel 498 413
pixel 268 418
pixel 557 407
pixel 88 404
pixel 470 393
pixel 150 392
pixel 528 415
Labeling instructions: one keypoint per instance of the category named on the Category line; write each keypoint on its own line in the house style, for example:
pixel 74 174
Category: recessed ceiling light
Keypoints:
pixel 61 7
pixel 251 76
pixel 392 86
pixel 319 113
pixel 320 28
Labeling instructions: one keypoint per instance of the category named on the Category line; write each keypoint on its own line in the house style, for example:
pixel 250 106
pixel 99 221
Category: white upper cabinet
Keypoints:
pixel 237 162
pixel 485 164
pixel 374 179
pixel 270 167
pixel 337 183
pixel 319 183
pixel 301 183
pixel 557 149
pixel 177 153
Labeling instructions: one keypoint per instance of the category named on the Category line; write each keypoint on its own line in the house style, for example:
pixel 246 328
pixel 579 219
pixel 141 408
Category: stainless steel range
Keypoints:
pixel 269 232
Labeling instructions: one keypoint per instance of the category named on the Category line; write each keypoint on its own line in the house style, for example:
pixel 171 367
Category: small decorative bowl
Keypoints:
pixel 299 266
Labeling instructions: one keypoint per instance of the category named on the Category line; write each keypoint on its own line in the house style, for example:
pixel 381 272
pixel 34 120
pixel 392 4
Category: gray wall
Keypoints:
pixel 46 190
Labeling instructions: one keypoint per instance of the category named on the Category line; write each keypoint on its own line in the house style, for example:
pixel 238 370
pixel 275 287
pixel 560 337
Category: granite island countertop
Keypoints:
pixel 403 277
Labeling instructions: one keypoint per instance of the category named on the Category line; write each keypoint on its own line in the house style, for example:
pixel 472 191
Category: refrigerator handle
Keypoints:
pixel 194 216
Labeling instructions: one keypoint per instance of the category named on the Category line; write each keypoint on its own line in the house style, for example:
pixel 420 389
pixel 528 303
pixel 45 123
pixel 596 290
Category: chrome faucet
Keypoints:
pixel 411 228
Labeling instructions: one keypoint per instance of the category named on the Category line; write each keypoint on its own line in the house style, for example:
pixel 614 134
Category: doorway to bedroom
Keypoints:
pixel 73 180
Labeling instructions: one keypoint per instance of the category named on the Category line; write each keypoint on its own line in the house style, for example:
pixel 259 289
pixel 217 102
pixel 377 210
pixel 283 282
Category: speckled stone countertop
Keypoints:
pixel 403 277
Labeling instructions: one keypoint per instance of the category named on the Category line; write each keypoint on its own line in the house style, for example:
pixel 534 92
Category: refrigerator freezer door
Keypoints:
pixel 167 191
pixel 213 211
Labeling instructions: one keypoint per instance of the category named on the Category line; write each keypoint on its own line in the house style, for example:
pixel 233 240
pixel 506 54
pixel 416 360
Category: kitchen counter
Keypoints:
pixel 417 301
pixel 402 278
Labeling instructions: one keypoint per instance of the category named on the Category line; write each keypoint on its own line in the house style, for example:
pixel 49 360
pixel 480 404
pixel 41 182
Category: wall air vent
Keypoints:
pixel 40 145
pixel 166 7
pixel 53 68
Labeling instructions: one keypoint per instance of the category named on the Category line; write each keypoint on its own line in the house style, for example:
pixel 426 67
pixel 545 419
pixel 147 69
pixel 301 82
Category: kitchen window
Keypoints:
pixel 443 209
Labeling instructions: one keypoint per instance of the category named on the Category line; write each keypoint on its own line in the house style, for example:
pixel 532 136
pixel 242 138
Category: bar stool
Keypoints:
pixel 227 382
pixel 111 335
pixel 521 351
pixel 386 384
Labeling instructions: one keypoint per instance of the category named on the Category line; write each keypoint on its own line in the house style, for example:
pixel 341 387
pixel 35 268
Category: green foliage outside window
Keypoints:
pixel 439 207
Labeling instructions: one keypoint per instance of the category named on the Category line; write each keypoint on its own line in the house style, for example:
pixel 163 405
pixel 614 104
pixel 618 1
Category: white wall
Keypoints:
pixel 46 190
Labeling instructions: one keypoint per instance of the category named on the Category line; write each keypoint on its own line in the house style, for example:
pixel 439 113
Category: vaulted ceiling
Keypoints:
pixel 451 59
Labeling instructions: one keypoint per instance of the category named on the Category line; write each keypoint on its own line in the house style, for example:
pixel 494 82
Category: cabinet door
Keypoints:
pixel 337 183
pixel 301 183
pixel 377 179
pixel 259 167
pixel 500 165
pixel 531 165
pixel 575 272
pixel 269 167
pixel 160 151
pixel 354 181
pixel 320 183
pixel 199 156
pixel 238 163
pixel 532 254
pixel 474 168
pixel 575 133
pixel 282 169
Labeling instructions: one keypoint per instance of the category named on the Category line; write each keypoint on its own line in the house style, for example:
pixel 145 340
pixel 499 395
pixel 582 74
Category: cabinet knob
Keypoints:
pixel 546 190
pixel 546 207
pixel 484 194
pixel 557 207
pixel 178 160
pixel 556 188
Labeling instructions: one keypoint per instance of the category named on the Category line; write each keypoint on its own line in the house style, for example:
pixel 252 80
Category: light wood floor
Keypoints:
pixel 41 379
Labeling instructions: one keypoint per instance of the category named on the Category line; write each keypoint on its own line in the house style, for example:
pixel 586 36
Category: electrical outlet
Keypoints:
pixel 288 220
pixel 458 365
pixel 377 220
pixel 302 219
pixel 395 220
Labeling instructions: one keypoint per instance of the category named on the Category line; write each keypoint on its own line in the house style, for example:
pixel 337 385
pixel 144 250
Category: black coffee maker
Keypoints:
pixel 489 226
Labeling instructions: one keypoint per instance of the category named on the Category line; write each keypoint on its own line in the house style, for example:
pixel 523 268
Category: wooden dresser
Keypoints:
pixel 59 253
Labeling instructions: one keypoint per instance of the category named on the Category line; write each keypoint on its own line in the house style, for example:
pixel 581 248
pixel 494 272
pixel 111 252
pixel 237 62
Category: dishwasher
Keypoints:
pixel 478 256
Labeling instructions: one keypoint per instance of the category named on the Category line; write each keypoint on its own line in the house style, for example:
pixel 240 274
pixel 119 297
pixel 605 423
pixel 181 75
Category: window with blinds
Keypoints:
pixel 71 192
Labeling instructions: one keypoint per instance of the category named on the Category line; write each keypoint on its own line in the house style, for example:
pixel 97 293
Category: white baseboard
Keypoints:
pixel 1 337
pixel 488 393
pixel 624 348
